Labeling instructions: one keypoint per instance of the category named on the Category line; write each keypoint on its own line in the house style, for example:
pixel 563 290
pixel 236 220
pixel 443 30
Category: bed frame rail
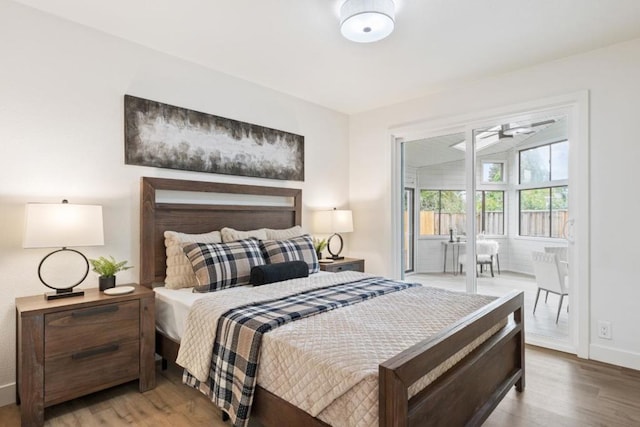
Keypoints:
pixel 469 391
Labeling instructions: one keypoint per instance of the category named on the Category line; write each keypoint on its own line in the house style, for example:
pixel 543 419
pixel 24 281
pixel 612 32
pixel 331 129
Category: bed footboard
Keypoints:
pixel 468 392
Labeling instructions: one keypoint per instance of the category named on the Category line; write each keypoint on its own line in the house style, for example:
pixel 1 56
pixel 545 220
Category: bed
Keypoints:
pixel 464 395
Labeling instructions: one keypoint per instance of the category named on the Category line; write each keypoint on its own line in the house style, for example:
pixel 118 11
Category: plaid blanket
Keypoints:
pixel 234 364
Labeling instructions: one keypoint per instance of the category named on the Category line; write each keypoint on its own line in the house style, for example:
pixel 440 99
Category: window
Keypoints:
pixel 441 210
pixel 545 163
pixel 492 172
pixel 490 212
pixel 544 208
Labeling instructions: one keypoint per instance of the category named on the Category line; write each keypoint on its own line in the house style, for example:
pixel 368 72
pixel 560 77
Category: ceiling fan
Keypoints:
pixel 510 130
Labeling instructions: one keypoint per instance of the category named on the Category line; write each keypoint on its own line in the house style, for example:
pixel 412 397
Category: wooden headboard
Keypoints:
pixel 195 218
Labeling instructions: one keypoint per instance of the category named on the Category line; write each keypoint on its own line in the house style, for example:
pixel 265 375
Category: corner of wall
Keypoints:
pixel 7 394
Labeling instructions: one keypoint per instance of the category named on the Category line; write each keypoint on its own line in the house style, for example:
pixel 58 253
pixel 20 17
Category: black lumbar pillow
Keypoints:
pixel 270 273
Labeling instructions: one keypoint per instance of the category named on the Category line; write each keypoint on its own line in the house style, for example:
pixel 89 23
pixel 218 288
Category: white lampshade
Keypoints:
pixel 334 221
pixel 366 21
pixel 58 225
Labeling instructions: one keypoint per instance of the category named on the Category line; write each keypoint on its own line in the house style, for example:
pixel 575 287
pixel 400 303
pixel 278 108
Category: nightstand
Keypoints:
pixel 70 347
pixel 346 264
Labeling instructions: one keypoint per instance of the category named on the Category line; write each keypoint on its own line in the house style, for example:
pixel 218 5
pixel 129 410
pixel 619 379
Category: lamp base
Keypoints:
pixel 63 294
pixel 335 256
pixel 68 291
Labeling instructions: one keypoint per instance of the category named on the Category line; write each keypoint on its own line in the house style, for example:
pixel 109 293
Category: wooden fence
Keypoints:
pixel 532 223
pixel 536 223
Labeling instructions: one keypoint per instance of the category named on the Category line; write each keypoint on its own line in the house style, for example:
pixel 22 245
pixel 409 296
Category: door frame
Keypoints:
pixel 576 107
pixel 411 226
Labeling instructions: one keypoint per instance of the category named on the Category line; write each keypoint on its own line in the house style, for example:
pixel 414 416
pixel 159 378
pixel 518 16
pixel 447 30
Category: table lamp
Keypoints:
pixel 335 221
pixel 61 225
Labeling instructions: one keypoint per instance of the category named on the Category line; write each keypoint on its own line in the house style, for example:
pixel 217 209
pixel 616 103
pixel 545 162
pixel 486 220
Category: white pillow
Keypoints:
pixel 284 234
pixel 179 269
pixel 232 235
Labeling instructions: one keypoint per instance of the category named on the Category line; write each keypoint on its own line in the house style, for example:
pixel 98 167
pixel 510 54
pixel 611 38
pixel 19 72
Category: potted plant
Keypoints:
pixel 107 269
pixel 319 245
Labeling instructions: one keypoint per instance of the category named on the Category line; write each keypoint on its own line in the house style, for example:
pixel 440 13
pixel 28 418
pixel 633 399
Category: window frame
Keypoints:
pixel 543 185
pixel 504 172
pixel 483 211
pixel 439 212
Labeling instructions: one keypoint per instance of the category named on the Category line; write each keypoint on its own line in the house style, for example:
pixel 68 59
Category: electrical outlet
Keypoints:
pixel 604 329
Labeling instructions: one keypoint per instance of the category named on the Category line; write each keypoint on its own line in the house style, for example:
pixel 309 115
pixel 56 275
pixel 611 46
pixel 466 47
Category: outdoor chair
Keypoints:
pixel 486 255
pixel 549 278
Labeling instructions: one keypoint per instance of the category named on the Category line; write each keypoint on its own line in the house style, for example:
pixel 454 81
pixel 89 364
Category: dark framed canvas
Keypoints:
pixel 165 136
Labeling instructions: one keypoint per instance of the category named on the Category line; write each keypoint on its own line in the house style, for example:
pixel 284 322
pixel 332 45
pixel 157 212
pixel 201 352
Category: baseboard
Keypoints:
pixel 546 342
pixel 612 356
pixel 8 394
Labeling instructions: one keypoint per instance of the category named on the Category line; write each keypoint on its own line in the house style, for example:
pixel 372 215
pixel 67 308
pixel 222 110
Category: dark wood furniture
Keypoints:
pixel 346 264
pixel 465 394
pixel 70 347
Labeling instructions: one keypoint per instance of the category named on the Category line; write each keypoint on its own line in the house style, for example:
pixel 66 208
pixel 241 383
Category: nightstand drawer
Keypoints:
pixel 74 330
pixel 90 369
pixel 344 267
pixel 346 264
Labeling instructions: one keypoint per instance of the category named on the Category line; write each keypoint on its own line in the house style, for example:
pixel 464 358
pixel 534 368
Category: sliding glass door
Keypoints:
pixel 495 195
pixel 408 218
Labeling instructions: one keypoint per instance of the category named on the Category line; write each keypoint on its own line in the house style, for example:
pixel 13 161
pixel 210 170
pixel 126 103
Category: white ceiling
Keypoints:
pixel 295 46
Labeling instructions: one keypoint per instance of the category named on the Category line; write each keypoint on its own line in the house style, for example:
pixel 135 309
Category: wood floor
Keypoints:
pixel 561 390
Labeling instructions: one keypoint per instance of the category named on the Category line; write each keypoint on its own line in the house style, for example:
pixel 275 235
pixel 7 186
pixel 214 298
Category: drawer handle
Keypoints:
pixel 95 351
pixel 95 311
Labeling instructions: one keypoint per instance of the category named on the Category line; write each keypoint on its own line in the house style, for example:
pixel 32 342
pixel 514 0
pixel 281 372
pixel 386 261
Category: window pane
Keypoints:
pixel 453 212
pixel 492 172
pixel 534 165
pixel 560 160
pixel 559 210
pixel 534 212
pixel 494 212
pixel 429 212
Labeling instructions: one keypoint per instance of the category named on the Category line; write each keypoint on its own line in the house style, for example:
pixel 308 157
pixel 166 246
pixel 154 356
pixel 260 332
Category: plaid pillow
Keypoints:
pixel 296 249
pixel 223 265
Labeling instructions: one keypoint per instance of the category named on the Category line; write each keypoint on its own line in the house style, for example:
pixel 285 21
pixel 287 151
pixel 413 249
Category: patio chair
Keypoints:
pixel 561 253
pixel 486 255
pixel 549 278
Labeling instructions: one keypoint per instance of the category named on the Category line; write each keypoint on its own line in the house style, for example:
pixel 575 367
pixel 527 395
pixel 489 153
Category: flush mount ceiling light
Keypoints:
pixel 366 21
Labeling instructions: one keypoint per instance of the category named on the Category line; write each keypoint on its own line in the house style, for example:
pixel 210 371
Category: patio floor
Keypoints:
pixel 543 323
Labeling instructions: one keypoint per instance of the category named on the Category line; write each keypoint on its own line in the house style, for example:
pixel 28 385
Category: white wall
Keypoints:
pixel 61 136
pixel 611 76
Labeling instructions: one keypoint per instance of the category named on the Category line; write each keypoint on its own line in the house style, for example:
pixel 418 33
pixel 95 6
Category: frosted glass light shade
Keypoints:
pixel 57 225
pixel 335 221
pixel 366 21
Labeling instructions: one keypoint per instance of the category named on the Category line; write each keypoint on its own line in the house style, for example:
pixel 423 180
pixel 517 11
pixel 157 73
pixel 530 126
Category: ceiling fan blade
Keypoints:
pixel 487 134
pixel 545 122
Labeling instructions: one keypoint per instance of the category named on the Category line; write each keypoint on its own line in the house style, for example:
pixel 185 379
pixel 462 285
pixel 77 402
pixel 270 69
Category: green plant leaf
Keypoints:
pixel 108 266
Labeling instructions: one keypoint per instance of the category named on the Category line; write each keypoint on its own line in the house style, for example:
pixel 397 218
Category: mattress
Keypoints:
pixel 333 376
pixel 173 305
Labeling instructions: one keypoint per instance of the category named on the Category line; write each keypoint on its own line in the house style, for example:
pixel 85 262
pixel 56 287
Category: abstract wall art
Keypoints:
pixel 165 136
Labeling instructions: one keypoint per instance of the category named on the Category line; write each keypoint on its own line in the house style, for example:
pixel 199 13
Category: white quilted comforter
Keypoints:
pixel 327 364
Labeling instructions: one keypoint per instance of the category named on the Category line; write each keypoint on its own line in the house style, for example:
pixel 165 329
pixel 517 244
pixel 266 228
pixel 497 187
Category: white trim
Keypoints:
pixel 397 272
pixel 550 343
pixel 8 394
pixel 576 107
pixel 614 356
pixel 471 281
pixel 580 246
